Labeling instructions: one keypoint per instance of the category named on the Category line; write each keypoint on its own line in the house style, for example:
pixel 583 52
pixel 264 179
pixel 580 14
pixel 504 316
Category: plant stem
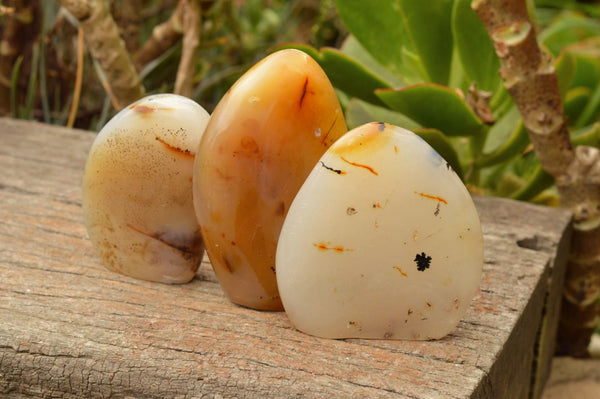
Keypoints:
pixel 107 48
pixel 33 82
pixel 530 79
pixel 14 86
pixel 43 85
pixel 78 78
pixel 163 37
pixel 128 20
pixel 18 29
pixel 192 19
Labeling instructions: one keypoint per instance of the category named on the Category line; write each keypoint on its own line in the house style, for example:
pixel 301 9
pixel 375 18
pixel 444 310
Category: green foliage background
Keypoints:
pixel 436 73
pixel 431 69
pixel 235 34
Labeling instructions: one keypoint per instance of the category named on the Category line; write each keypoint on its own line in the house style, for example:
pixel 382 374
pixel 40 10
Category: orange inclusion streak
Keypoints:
pixel 360 165
pixel 433 197
pixel 142 108
pixel 400 270
pixel 321 246
pixel 173 148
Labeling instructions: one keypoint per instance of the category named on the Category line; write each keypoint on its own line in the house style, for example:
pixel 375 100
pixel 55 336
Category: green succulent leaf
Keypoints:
pixel 527 177
pixel 587 69
pixel 458 78
pixel 502 128
pixel 504 183
pixel 443 146
pixel 590 110
pixel 353 49
pixel 537 182
pixel 308 49
pixel 350 76
pixel 575 101
pixel 568 28
pixel 344 72
pixel 514 145
pixel 412 67
pixel 501 102
pixel 589 135
pixel 565 66
pixel 359 112
pixel 398 33
pixel 475 48
pixel 433 106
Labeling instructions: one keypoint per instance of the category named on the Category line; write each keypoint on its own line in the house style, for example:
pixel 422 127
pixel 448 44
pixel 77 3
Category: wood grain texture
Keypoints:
pixel 69 328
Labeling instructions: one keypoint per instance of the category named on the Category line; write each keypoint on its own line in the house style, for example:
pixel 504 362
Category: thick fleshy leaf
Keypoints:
pixel 538 182
pixel 589 135
pixel 397 31
pixel 502 129
pixel 565 66
pixel 512 184
pixel 433 106
pixel 458 78
pixel 350 76
pixel 353 49
pixel 514 145
pixel 443 146
pixel 567 29
pixel 412 66
pixel 526 176
pixel 344 72
pixel 575 102
pixel 359 112
pixel 591 109
pixel 587 69
pixel 503 183
pixel 501 102
pixel 475 48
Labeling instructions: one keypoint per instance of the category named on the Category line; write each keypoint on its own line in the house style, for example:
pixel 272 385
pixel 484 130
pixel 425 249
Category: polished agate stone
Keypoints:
pixel 137 190
pixel 382 241
pixel 264 138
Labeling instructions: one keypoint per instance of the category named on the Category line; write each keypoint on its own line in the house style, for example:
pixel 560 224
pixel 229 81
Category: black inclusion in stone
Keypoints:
pixel 423 261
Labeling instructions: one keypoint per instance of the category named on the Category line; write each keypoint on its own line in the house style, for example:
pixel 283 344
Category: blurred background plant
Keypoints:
pixel 432 69
pixel 444 84
pixel 40 49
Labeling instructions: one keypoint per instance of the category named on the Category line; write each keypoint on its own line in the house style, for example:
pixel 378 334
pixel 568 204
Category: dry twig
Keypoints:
pixel 164 36
pixel 128 20
pixel 108 49
pixel 78 79
pixel 18 31
pixel 192 19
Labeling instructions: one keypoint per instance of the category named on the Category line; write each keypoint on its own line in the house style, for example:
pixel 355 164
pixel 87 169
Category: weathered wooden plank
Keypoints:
pixel 70 328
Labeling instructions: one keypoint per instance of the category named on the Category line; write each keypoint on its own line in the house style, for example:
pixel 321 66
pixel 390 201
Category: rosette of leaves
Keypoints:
pixel 433 69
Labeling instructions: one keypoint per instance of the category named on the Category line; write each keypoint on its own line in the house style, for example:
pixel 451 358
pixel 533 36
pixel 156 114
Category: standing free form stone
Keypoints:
pixel 382 241
pixel 137 189
pixel 263 139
